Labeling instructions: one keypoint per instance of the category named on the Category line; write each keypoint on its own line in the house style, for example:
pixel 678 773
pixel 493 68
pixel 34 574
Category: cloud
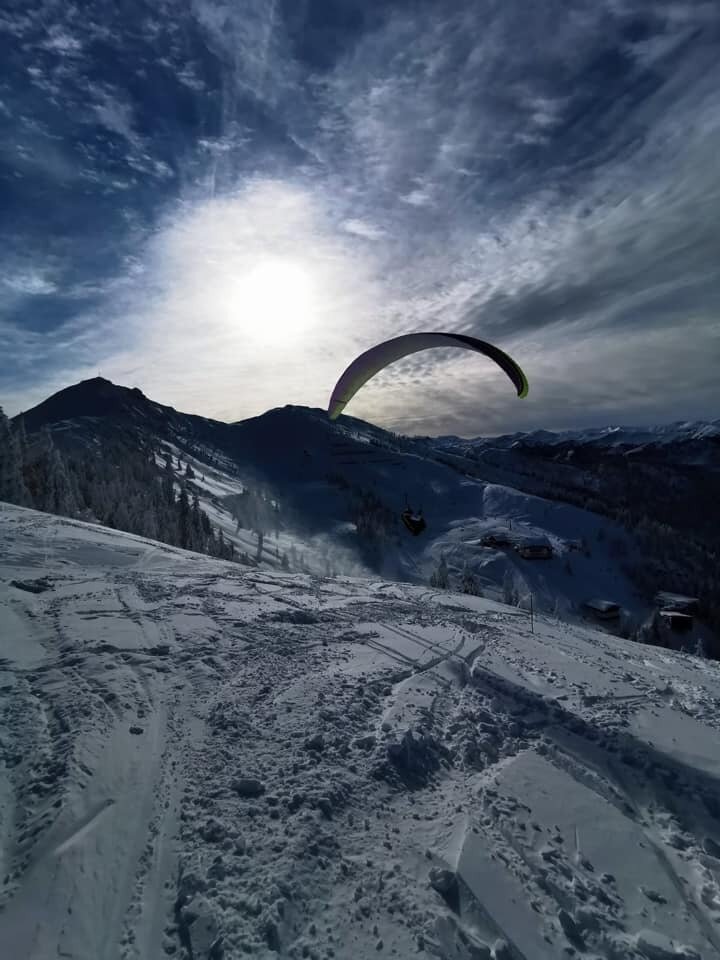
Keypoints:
pixel 548 182
pixel 362 229
pixel 115 115
pixel 417 198
pixel 60 41
pixel 32 283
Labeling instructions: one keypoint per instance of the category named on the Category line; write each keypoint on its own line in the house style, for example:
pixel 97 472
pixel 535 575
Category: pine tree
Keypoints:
pixel 184 519
pixel 285 563
pixel 439 577
pixel 64 502
pixel 121 517
pixel 8 462
pixel 21 435
pixel 469 583
pixel 198 535
pixel 212 545
pixel 50 487
pixel 168 483
pixel 149 524
pixel 18 484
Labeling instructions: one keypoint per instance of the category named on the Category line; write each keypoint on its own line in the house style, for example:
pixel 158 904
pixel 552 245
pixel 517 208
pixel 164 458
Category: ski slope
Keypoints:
pixel 202 761
pixel 320 550
pixel 460 511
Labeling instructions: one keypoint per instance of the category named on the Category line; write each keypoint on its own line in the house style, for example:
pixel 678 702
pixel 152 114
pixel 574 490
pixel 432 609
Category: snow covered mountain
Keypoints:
pixel 336 491
pixel 98 408
pixel 207 761
pixel 680 432
pixel 340 488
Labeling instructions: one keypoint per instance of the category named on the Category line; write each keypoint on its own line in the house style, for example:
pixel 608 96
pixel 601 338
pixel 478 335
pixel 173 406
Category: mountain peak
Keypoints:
pixel 95 397
pixel 96 380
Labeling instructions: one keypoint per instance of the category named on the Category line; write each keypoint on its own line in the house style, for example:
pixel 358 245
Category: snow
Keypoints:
pixel 669 433
pixel 294 451
pixel 208 760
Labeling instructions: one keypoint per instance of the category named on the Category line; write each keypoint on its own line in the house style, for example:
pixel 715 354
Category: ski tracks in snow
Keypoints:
pixel 206 764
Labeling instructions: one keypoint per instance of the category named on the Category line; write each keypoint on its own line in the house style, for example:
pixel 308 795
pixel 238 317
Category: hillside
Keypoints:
pixel 327 498
pixel 206 761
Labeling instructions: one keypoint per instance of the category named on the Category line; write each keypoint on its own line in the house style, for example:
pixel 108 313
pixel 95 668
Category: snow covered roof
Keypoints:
pixel 605 606
pixel 666 595
pixel 676 600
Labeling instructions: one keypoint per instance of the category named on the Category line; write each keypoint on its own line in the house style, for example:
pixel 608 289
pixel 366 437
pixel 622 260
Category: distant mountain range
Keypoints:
pixel 687 439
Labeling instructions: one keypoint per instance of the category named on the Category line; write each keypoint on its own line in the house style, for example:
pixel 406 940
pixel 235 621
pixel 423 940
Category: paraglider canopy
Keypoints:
pixel 376 358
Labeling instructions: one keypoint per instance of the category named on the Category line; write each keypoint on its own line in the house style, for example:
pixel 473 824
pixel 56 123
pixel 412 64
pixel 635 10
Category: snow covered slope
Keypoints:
pixel 340 487
pixel 202 761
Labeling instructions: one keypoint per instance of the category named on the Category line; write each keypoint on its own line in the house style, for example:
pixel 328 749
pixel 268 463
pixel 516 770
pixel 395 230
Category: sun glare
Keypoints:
pixel 274 301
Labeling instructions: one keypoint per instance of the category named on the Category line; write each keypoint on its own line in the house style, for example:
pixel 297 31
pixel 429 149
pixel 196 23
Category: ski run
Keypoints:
pixel 205 761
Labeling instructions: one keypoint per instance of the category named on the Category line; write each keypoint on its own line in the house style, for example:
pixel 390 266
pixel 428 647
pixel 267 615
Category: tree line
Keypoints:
pixel 118 484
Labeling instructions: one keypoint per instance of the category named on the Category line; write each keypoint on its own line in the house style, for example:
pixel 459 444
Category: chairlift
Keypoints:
pixel 414 521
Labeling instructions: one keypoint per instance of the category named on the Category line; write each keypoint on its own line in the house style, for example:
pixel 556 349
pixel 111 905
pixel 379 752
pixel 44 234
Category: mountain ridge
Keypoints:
pixel 108 398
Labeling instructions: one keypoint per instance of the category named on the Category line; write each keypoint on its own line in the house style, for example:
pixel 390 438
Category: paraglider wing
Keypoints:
pixel 364 367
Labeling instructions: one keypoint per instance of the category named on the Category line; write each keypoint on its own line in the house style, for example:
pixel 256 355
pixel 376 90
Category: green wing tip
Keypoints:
pixel 525 385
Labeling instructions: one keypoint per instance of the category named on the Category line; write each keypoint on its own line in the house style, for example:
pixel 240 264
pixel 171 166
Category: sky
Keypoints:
pixel 222 202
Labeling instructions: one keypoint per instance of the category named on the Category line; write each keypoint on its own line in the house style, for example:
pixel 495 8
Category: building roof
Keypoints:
pixel 606 606
pixel 665 597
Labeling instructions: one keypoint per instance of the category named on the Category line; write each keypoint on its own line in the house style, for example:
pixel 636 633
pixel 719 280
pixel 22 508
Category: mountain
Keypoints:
pixel 206 761
pixel 291 489
pixel 682 440
pixel 672 433
pixel 98 408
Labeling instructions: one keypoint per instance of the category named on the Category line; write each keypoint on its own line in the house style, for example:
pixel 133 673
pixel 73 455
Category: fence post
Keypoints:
pixel 532 624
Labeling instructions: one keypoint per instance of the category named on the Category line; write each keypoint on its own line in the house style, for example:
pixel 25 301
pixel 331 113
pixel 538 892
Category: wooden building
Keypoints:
pixel 602 609
pixel 534 548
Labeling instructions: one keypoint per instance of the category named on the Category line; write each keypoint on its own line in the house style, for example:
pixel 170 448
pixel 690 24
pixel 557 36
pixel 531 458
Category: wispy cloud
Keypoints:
pixel 32 283
pixel 361 228
pixel 115 115
pixel 544 178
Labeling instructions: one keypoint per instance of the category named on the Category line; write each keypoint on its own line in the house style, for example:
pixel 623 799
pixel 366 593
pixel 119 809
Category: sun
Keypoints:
pixel 274 300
